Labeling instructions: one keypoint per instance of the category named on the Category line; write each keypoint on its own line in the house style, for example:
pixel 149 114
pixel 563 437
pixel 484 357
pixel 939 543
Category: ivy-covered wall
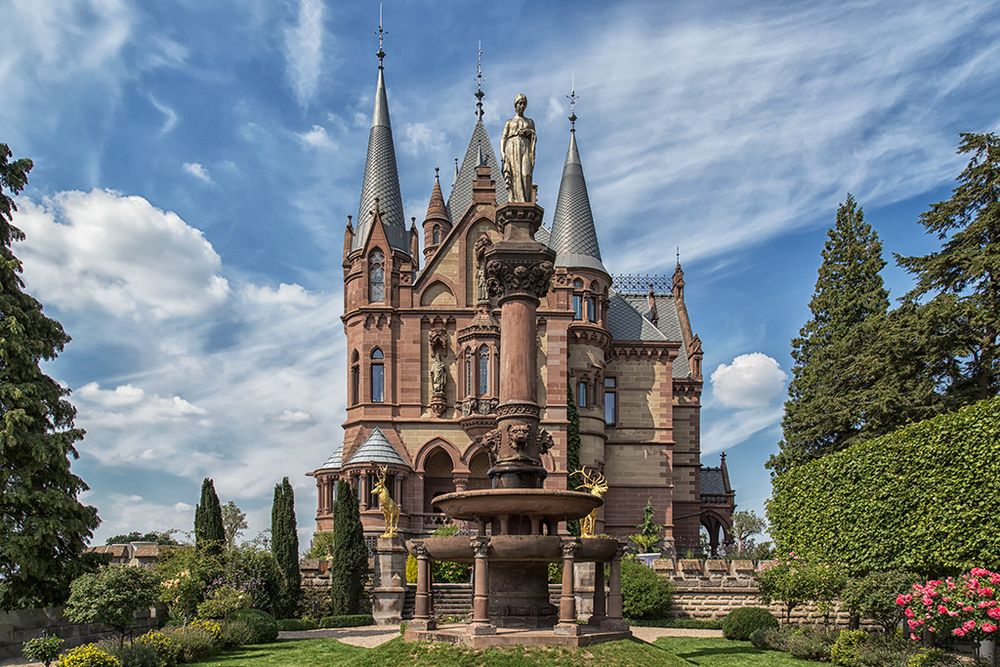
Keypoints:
pixel 924 498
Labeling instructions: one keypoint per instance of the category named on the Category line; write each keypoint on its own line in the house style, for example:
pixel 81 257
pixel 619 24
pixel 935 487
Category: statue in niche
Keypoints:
pixel 517 145
pixel 439 374
pixel 483 244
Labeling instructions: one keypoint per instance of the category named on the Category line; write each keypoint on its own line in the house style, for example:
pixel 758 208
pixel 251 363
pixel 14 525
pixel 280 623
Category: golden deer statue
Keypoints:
pixel 596 485
pixel 390 510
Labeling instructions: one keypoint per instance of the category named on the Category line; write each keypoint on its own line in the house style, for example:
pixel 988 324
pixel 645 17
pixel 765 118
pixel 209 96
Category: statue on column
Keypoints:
pixel 483 244
pixel 517 145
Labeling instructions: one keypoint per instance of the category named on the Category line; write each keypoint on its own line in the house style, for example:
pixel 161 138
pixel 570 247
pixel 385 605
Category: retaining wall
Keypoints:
pixel 17 627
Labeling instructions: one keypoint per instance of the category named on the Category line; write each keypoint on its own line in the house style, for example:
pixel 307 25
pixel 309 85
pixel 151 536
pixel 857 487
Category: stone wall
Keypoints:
pixel 17 627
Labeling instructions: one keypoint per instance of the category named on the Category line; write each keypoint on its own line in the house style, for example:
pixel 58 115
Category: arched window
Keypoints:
pixel 376 276
pixel 469 367
pixel 591 309
pixel 577 307
pixel 578 284
pixel 377 376
pixel 483 374
pixel 436 235
pixel 581 393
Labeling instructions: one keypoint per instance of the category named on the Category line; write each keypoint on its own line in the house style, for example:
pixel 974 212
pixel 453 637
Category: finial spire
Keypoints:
pixel 381 34
pixel 572 102
pixel 437 173
pixel 678 255
pixel 479 82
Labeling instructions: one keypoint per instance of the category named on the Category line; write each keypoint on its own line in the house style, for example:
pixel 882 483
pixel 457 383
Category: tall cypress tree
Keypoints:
pixel 834 396
pixel 285 547
pixel 44 528
pixel 209 532
pixel 349 565
pixel 957 332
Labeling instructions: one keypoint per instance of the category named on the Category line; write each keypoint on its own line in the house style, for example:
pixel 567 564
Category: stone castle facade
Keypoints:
pixel 423 346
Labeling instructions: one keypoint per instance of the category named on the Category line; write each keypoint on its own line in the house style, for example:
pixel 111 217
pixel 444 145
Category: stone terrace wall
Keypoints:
pixel 17 627
pixel 710 589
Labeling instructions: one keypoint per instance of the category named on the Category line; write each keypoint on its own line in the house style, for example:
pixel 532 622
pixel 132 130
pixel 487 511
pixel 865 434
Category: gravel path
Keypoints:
pixel 368 636
pixel 650 635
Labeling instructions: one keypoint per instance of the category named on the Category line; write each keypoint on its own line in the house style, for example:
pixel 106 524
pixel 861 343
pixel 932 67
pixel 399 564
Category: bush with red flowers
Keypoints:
pixel 965 607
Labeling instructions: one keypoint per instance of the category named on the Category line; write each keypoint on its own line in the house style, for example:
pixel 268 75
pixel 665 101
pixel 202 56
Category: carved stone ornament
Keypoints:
pixel 480 547
pixel 438 407
pixel 419 549
pixel 491 442
pixel 545 441
pixel 519 433
pixel 569 548
pixel 526 409
pixel 483 243
pixel 507 277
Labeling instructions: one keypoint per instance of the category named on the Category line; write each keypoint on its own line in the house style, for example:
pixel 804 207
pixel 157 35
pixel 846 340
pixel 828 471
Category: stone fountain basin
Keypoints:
pixel 491 503
pixel 518 548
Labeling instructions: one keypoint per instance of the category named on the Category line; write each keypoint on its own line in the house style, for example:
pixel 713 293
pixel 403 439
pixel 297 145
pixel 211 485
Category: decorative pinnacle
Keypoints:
pixel 479 82
pixel 678 255
pixel 381 34
pixel 572 102
pixel 437 173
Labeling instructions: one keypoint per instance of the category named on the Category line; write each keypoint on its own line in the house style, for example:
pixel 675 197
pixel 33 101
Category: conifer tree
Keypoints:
pixel 44 528
pixel 834 396
pixel 285 547
pixel 957 332
pixel 209 531
pixel 349 565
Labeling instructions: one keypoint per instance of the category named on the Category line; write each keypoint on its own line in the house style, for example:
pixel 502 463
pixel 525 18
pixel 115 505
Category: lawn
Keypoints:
pixel 725 653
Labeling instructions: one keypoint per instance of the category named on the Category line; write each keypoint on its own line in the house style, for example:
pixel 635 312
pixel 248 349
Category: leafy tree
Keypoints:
pixel 44 528
pixel 209 531
pixel 285 547
pixel 746 524
pixel 234 522
pixel 572 451
pixel 650 533
pixel 112 596
pixel 349 566
pixel 44 649
pixel 321 545
pixel 835 392
pixel 963 278
pixel 794 582
pixel 874 597
pixel 164 539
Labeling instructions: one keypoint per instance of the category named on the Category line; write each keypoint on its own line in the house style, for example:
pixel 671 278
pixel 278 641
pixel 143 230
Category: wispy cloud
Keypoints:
pixel 198 171
pixel 169 116
pixel 303 43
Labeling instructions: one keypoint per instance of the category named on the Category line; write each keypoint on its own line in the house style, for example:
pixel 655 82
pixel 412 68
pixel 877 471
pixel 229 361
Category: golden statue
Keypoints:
pixel 596 485
pixel 390 510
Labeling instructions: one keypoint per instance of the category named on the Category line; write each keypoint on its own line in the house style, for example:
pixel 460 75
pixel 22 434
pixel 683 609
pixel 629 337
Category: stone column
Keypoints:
pixel 422 618
pixel 599 596
pixel 614 621
pixel 567 600
pixel 481 593
pixel 363 491
pixel 389 593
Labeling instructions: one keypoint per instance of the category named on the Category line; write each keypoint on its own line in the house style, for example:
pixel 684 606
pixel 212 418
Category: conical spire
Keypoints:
pixel 381 180
pixel 574 237
pixel 436 209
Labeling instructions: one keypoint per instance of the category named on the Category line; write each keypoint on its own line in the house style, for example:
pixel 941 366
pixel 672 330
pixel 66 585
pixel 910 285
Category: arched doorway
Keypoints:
pixel 438 478
pixel 479 465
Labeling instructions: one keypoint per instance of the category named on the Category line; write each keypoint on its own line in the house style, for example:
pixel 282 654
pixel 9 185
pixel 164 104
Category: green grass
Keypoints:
pixel 711 652
pixel 666 652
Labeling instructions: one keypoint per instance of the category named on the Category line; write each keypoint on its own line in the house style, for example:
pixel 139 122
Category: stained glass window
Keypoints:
pixel 376 276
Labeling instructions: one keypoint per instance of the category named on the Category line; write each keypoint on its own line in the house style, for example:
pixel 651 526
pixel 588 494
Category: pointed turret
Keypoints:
pixel 381 178
pixel 437 223
pixel 574 237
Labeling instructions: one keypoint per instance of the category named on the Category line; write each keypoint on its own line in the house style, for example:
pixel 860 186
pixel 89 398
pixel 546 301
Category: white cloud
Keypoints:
pixel 751 381
pixel 304 50
pixel 295 416
pixel 419 138
pixel 198 171
pixel 118 254
pixel 317 137
pixel 284 294
pixel 183 507
pixel 169 116
pixel 127 406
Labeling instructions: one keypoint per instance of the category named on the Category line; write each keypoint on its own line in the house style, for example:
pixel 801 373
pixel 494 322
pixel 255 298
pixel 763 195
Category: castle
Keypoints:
pixel 423 346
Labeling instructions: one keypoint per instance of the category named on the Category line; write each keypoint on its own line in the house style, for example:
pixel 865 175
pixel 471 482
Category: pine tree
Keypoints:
pixel 44 528
pixel 572 452
pixel 349 565
pixel 958 329
pixel 209 531
pixel 285 547
pixel 834 396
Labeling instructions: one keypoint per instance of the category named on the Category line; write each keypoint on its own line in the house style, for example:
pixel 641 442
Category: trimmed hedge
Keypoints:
pixel 346 621
pixel 264 627
pixel 645 594
pixel 921 498
pixel 297 624
pixel 742 622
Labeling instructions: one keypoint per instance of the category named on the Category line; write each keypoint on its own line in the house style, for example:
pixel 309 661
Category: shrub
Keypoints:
pixel 236 633
pixel 167 649
pixel 132 654
pixel 297 624
pixel 933 657
pixel 186 575
pixel 846 650
pixel 874 596
pixel 265 627
pixel 649 536
pixel 810 644
pixel 44 649
pixel 967 607
pixel 346 621
pixel 773 639
pixel 450 572
pixel 253 571
pixel 645 594
pixel 742 622
pixel 834 508
pixel 210 627
pixel 193 642
pixel 411 569
pixel 112 596
pixel 222 602
pixel 794 581
pixel 88 655
pixel 315 602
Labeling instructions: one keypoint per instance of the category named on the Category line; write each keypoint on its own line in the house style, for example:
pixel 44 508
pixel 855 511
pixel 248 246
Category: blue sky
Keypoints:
pixel 195 163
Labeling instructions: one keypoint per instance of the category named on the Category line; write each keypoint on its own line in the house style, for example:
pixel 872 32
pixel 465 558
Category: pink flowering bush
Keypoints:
pixel 964 607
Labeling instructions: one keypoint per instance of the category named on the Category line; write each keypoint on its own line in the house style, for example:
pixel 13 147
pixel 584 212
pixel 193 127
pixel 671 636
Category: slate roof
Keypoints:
pixel 336 458
pixel 712 482
pixel 460 198
pixel 574 237
pixel 668 324
pixel 376 449
pixel 381 179
pixel 627 323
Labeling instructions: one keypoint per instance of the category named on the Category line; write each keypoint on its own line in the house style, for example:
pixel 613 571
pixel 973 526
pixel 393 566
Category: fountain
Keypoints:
pixel 517 519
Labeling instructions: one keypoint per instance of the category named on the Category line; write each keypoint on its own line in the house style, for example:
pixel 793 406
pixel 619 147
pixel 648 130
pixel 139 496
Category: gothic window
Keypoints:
pixel 577 307
pixel 378 376
pixel 578 284
pixel 376 276
pixel 581 393
pixel 436 235
pixel 483 372
pixel 468 372
pixel 591 309
pixel 610 401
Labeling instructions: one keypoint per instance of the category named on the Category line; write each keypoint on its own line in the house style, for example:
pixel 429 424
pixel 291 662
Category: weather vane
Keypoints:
pixel 381 35
pixel 572 102
pixel 479 82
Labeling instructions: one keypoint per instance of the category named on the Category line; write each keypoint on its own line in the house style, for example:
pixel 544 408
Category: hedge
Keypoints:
pixel 924 498
pixel 346 621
